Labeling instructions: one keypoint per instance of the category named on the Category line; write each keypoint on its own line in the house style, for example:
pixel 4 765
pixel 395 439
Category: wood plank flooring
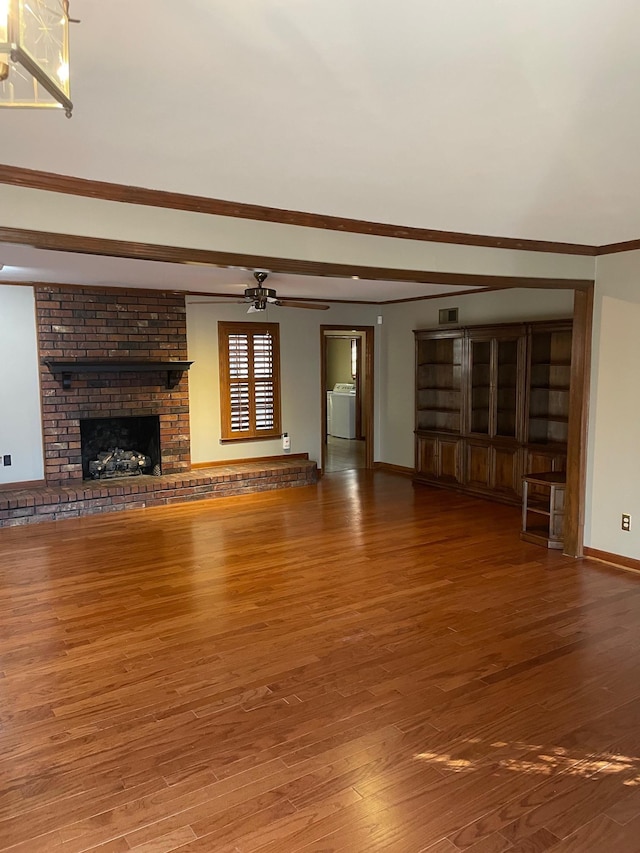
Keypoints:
pixel 357 666
pixel 344 454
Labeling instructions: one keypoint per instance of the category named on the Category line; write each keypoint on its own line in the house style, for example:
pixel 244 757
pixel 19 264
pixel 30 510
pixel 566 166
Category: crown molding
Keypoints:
pixel 34 179
pixel 615 248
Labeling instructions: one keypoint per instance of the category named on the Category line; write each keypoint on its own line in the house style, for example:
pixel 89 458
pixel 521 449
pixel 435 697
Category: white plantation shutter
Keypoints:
pixel 262 356
pixel 264 405
pixel 249 380
pixel 263 374
pixel 240 406
pixel 239 395
pixel 238 356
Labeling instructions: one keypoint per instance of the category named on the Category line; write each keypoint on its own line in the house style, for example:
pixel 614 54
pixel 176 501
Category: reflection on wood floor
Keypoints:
pixel 344 454
pixel 353 667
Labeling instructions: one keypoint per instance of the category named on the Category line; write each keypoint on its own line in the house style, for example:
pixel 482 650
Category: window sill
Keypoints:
pixel 245 438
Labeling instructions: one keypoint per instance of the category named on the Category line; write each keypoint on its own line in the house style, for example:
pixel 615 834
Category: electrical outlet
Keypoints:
pixel 6 459
pixel 626 521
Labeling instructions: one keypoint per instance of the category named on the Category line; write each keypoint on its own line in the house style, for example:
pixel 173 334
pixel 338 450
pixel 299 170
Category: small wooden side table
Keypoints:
pixel 545 502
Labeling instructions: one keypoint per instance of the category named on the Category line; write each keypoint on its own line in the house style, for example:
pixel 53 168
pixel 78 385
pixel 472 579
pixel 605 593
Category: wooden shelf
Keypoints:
pixel 554 419
pixel 552 388
pixel 538 536
pixel 538 504
pixel 440 388
pixel 550 506
pixel 173 369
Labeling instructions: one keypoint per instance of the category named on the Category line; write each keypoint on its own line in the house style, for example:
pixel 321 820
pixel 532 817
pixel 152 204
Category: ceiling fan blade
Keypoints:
pixel 290 303
pixel 218 302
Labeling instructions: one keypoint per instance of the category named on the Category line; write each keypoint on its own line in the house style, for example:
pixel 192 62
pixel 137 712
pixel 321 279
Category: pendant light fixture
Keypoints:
pixel 34 54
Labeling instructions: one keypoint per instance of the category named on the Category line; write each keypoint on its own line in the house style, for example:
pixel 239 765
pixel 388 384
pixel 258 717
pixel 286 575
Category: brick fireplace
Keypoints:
pixel 110 326
pixel 116 330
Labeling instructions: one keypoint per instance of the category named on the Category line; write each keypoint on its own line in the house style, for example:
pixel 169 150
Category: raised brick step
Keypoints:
pixel 44 503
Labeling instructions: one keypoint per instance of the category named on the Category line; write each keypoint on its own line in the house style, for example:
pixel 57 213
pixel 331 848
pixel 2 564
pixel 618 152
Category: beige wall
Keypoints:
pixel 613 485
pixel 338 361
pixel 20 419
pixel 300 376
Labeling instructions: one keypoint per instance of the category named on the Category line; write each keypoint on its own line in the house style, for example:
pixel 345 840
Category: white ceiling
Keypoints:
pixel 496 117
pixel 23 264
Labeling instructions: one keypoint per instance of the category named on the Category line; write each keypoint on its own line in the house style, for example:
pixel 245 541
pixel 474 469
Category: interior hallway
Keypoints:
pixel 344 454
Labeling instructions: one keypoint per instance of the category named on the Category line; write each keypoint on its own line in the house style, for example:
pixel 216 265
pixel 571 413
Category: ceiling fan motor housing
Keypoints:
pixel 260 294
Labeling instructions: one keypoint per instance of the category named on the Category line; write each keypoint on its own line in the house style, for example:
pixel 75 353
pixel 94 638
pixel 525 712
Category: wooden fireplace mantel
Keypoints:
pixel 174 369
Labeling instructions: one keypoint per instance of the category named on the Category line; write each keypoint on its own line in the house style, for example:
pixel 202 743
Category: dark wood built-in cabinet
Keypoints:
pixel 439 412
pixel 492 403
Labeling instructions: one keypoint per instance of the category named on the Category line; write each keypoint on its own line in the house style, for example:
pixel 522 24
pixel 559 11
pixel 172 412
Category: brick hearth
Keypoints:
pixel 32 505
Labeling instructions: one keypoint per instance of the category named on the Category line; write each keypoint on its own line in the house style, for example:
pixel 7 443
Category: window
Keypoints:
pixel 249 380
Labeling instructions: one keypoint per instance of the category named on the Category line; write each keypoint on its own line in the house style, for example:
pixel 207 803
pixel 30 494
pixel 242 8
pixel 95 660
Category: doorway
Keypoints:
pixel 347 372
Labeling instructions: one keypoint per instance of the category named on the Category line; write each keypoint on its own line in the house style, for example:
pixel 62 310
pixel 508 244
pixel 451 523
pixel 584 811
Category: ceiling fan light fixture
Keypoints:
pixel 34 54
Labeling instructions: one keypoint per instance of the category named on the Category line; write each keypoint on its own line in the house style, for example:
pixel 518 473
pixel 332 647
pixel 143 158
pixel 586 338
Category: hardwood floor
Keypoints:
pixel 358 666
pixel 344 454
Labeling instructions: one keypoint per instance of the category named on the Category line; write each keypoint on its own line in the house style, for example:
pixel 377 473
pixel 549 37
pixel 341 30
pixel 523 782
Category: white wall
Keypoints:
pixel 20 417
pixel 299 372
pixel 397 353
pixel 613 473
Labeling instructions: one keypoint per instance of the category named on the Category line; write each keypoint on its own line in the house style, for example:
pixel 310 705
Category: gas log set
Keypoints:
pixel 119 463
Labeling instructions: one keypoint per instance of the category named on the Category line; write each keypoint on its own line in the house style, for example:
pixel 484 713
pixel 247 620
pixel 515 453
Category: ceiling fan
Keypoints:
pixel 259 297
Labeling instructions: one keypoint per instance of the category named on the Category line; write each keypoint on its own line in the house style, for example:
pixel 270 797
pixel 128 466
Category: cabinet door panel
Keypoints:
pixel 507 474
pixel 449 459
pixel 481 399
pixel 537 462
pixel 479 466
pixel 508 381
pixel 427 461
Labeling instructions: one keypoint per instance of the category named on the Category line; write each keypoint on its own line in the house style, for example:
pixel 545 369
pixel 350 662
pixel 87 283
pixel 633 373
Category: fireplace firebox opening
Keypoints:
pixel 120 446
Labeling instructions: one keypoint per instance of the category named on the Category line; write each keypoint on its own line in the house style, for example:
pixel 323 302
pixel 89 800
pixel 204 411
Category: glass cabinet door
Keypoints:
pixel 506 388
pixel 480 387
